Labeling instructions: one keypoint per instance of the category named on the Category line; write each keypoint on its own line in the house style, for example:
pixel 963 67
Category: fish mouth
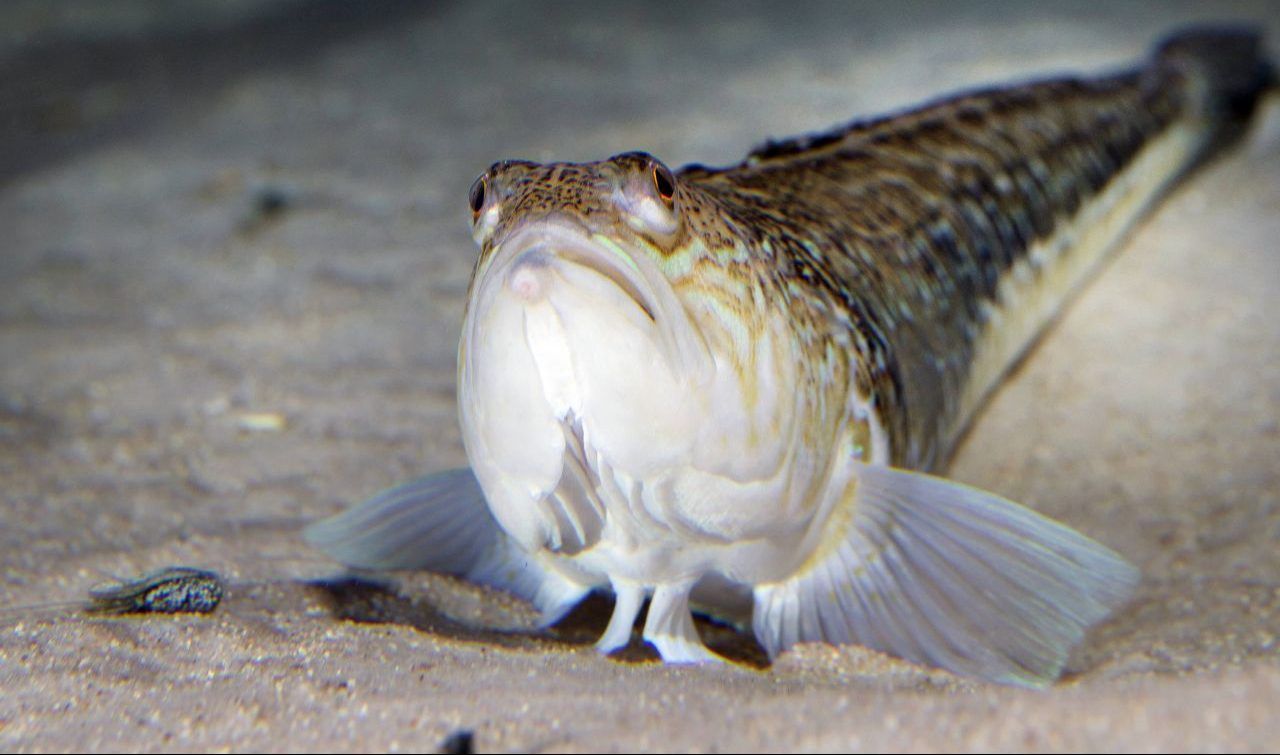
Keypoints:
pixel 522 259
pixel 523 254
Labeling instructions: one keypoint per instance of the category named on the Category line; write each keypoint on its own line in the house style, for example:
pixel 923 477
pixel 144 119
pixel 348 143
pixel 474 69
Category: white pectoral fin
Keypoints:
pixel 438 523
pixel 940 573
pixel 441 523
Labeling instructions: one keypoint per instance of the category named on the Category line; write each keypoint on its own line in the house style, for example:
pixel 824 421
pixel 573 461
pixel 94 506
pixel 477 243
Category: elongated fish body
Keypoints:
pixel 730 385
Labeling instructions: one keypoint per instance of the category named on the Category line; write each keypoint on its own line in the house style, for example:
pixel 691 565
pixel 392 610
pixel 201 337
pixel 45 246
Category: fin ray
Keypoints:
pixel 442 523
pixel 941 573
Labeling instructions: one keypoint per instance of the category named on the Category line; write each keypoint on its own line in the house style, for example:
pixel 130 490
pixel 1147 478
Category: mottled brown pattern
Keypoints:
pixel 884 242
pixel 905 225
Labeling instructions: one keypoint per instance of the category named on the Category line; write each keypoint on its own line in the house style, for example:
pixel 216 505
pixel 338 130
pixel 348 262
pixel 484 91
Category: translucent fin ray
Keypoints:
pixel 944 574
pixel 441 523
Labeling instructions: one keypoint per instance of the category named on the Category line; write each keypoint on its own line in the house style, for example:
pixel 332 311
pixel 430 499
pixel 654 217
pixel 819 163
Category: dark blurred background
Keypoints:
pixel 74 73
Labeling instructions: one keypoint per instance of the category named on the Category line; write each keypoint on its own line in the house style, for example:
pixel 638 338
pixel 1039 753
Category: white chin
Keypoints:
pixel 551 343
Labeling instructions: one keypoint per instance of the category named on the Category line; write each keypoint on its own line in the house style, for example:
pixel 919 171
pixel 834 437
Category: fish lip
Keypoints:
pixel 639 277
pixel 562 241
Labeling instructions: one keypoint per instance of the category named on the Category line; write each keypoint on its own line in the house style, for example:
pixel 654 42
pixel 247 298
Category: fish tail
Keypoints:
pixel 947 575
pixel 1222 71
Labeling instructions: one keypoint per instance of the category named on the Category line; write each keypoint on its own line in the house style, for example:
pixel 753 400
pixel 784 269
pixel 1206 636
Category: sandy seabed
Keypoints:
pixel 232 273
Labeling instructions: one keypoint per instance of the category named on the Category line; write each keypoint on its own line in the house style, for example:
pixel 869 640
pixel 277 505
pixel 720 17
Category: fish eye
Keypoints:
pixel 665 183
pixel 477 194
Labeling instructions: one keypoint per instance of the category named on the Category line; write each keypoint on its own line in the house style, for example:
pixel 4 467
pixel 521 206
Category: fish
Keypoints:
pixel 733 389
pixel 173 589
pixel 169 590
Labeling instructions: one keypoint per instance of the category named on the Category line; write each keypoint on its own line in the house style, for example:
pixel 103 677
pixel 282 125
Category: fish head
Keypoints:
pixel 574 333
pixel 619 218
pixel 623 331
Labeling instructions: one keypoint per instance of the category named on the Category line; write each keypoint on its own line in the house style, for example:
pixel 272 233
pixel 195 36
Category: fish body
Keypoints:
pixel 730 385
pixel 174 589
pixel 171 590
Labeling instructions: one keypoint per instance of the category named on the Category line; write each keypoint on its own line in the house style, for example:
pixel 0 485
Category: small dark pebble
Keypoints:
pixel 267 204
pixel 271 200
pixel 459 742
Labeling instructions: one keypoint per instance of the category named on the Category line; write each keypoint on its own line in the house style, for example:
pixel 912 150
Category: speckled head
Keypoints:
pixel 620 219
pixel 572 322
pixel 633 198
